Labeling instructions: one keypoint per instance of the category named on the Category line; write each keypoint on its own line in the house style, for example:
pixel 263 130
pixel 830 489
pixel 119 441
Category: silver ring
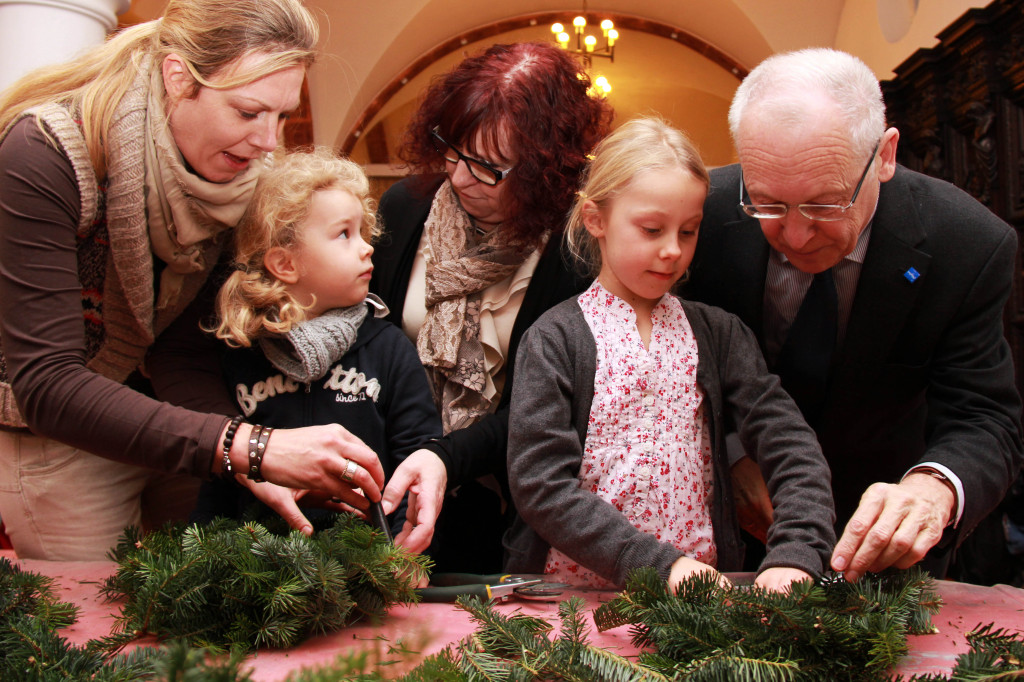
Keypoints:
pixel 350 471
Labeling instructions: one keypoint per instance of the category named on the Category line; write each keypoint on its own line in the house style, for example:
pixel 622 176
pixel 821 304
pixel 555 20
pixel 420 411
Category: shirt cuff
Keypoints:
pixel 958 487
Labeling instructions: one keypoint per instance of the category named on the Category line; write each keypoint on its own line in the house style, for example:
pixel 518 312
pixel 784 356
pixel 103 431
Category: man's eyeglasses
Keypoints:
pixel 481 170
pixel 822 212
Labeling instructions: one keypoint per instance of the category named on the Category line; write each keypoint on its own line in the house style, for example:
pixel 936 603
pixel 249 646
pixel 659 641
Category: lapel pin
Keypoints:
pixel 911 275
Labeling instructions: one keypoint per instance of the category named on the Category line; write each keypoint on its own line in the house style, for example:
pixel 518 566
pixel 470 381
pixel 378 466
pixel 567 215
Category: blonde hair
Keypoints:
pixel 210 35
pixel 639 145
pixel 252 302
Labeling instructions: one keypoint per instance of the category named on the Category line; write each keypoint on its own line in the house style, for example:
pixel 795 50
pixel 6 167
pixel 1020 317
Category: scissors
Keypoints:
pixel 379 520
pixel 447 587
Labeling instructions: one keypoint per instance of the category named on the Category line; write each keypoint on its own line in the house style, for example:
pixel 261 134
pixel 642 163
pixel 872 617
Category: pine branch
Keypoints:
pixel 241 585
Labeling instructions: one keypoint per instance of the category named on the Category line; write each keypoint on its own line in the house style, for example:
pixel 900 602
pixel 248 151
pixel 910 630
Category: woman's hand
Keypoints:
pixel 282 500
pixel 684 567
pixel 285 501
pixel 779 578
pixel 424 476
pixel 315 458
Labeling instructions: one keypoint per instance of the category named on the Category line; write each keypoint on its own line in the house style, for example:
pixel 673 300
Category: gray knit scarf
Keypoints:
pixel 310 349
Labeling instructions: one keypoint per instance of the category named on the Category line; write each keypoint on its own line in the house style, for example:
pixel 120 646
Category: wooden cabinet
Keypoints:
pixel 959 108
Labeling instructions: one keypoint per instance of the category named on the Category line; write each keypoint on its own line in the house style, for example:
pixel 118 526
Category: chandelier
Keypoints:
pixel 586 44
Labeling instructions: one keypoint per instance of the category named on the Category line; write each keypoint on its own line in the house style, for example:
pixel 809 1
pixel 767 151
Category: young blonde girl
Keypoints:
pixel 302 346
pixel 616 453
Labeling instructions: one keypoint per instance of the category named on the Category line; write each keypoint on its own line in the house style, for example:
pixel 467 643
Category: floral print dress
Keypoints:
pixel 648 450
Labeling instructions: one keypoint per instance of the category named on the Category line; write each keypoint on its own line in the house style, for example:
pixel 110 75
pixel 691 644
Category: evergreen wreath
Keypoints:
pixel 242 585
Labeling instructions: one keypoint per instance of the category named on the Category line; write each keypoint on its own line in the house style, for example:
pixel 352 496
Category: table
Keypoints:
pixel 428 628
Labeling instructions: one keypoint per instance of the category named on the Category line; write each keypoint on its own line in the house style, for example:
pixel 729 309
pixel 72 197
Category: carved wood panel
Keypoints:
pixel 959 108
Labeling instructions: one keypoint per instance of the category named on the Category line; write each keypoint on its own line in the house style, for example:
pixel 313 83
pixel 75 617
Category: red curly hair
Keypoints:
pixel 536 94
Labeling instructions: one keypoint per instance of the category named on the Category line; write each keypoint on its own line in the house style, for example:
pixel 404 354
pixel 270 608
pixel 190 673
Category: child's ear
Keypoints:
pixel 592 219
pixel 280 263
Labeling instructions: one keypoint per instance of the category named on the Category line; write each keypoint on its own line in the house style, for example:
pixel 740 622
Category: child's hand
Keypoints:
pixel 684 567
pixel 779 578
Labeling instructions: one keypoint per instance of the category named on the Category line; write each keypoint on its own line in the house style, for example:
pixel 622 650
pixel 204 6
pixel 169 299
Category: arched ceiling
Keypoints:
pixel 366 45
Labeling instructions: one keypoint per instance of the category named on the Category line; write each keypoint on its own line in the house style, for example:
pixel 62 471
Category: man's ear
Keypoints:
pixel 592 219
pixel 178 81
pixel 887 155
pixel 280 262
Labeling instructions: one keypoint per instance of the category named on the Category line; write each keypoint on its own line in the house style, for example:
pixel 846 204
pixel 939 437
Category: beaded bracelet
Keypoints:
pixel 257 448
pixel 227 471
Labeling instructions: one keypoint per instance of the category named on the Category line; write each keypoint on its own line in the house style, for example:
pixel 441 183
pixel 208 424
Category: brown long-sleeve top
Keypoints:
pixel 42 332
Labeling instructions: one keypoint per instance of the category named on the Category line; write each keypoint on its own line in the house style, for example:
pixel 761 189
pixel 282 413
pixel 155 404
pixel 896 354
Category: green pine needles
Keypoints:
pixel 241 585
pixel 238 585
pixel 827 630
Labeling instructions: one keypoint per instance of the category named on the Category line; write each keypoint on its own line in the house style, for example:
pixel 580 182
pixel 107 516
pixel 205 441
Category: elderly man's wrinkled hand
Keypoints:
pixel 895 525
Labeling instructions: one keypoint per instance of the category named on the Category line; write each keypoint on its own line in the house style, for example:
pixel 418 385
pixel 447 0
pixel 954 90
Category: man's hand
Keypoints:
pixel 423 475
pixel 753 504
pixel 779 578
pixel 895 525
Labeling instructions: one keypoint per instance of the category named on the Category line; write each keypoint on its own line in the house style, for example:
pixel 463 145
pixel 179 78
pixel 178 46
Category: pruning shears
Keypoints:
pixel 447 587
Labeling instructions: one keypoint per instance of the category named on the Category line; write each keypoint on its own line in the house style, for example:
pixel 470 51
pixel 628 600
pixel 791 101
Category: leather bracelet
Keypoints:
pixel 257 448
pixel 227 472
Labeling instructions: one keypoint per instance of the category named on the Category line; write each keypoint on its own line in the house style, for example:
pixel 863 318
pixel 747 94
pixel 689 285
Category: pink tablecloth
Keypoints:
pixel 427 628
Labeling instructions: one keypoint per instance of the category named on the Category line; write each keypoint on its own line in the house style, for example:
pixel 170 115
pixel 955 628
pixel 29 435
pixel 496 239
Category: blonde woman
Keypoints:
pixel 301 345
pixel 120 173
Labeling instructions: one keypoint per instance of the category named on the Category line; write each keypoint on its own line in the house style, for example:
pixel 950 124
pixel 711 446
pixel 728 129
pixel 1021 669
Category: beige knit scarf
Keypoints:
pixel 184 210
pixel 458 269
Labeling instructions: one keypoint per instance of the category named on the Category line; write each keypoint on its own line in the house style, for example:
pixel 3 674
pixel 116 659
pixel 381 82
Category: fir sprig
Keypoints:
pixel 241 585
pixel 828 630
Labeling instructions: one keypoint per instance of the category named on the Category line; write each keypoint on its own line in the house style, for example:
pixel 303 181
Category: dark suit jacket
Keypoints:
pixel 924 373
pixel 481 448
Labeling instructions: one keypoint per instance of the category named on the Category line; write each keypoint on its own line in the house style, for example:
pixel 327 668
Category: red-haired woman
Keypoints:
pixel 471 256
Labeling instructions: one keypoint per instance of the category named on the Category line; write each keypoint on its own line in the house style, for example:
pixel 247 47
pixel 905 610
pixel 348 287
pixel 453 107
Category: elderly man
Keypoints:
pixel 877 295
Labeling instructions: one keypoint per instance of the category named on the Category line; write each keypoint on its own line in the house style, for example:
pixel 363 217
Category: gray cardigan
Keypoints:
pixel 551 403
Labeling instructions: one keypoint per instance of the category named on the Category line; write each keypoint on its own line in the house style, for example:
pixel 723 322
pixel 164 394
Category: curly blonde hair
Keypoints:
pixel 211 36
pixel 252 302
pixel 640 144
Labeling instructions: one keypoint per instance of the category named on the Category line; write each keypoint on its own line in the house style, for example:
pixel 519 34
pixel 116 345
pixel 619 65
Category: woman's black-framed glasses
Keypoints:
pixel 820 212
pixel 481 170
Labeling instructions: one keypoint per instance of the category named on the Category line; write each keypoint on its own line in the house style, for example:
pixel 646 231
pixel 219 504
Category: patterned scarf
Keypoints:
pixel 458 269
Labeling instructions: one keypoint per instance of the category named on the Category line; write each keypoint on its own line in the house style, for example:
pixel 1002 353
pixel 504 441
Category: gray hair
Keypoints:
pixel 778 86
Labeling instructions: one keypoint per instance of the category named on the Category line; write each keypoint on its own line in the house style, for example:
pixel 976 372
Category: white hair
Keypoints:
pixel 778 87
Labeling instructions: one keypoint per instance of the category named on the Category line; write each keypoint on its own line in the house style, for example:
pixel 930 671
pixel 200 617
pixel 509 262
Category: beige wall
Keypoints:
pixel 366 44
